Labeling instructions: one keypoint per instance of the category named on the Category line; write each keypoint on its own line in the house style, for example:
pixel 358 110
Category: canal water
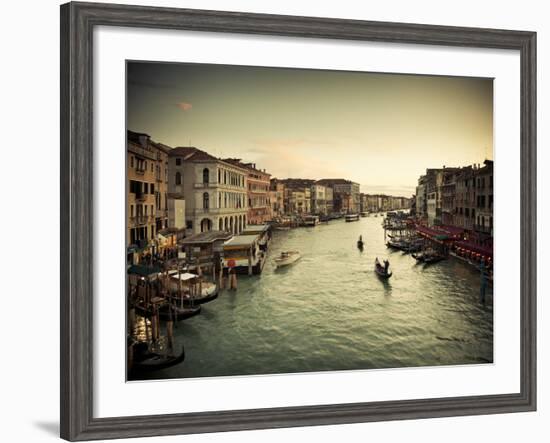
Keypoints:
pixel 330 311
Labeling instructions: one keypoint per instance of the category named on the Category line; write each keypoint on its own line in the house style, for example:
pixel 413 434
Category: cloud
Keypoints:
pixel 184 106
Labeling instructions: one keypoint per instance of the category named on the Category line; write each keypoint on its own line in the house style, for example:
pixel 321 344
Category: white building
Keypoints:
pixel 214 192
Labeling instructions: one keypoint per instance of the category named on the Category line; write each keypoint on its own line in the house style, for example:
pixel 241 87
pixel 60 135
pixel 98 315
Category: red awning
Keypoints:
pixel 475 248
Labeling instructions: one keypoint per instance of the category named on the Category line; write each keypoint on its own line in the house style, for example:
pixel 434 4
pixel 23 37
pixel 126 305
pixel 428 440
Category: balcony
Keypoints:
pixel 139 220
pixel 218 211
pixel 205 185
pixel 141 196
pixel 139 170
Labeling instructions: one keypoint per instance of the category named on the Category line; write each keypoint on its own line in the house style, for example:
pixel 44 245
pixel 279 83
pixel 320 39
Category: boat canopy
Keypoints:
pixel 184 276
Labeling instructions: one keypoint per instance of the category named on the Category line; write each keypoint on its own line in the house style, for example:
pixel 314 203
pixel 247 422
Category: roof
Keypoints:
pixel 190 153
pixel 335 181
pixel 240 241
pixel 254 229
pixel 248 166
pixel 206 237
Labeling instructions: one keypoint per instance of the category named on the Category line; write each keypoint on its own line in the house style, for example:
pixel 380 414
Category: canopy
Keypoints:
pixel 184 276
pixel 240 242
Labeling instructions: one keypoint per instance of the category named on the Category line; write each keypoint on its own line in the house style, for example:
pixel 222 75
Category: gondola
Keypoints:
pixel 209 293
pixel 147 361
pixel 380 271
pixel 430 259
pixel 170 312
pixel 360 244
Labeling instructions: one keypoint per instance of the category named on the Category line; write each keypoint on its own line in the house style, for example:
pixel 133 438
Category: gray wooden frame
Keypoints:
pixel 77 24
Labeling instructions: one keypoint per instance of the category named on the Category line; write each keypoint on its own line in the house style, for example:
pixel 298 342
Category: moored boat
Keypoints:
pixel 287 258
pixel 168 311
pixel 145 360
pixel 352 217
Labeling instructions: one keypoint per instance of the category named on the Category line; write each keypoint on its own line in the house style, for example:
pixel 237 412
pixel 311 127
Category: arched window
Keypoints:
pixel 205 200
pixel 219 178
pixel 178 178
pixel 205 175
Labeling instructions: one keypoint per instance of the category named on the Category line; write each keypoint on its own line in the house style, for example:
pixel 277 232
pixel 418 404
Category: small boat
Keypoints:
pixel 352 217
pixel 147 361
pixel 433 258
pixel 364 214
pixel 380 270
pixel 170 311
pixel 282 228
pixel 360 243
pixel 310 220
pixel 287 258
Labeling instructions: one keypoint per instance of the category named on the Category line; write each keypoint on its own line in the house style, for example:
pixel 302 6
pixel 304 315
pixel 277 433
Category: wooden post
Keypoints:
pixel 250 262
pixel 234 285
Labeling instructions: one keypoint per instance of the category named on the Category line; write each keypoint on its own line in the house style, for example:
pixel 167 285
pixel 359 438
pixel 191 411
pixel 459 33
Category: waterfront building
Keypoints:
pixel 297 201
pixel 421 208
pixel 214 191
pixel 277 197
pixel 465 201
pixel 329 199
pixel 147 172
pixel 346 194
pixel 448 197
pixel 318 199
pixel 363 203
pixel 258 184
pixel 434 181
pixel 297 195
pixel 484 199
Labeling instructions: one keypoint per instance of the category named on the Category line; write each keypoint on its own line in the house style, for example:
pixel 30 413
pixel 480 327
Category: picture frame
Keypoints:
pixel 77 217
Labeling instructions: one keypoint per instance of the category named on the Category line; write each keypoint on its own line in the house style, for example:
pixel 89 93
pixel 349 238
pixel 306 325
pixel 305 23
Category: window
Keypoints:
pixel 152 212
pixel 178 161
pixel 205 200
pixel 131 210
pixel 152 188
pixel 189 224
pixel 178 178
pixel 131 161
pixel 205 175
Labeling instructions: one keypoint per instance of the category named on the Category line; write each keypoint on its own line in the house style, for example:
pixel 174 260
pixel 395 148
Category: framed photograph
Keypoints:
pixel 274 221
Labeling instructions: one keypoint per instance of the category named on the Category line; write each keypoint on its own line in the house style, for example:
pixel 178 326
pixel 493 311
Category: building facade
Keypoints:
pixel 214 191
pixel 484 199
pixel 346 194
pixel 318 199
pixel 277 197
pixel 258 183
pixel 147 173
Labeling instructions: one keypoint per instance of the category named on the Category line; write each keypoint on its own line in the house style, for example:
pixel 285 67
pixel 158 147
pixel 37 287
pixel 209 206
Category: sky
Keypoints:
pixel 379 130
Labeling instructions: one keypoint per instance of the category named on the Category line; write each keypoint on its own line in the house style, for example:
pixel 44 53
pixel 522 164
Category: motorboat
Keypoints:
pixel 287 258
